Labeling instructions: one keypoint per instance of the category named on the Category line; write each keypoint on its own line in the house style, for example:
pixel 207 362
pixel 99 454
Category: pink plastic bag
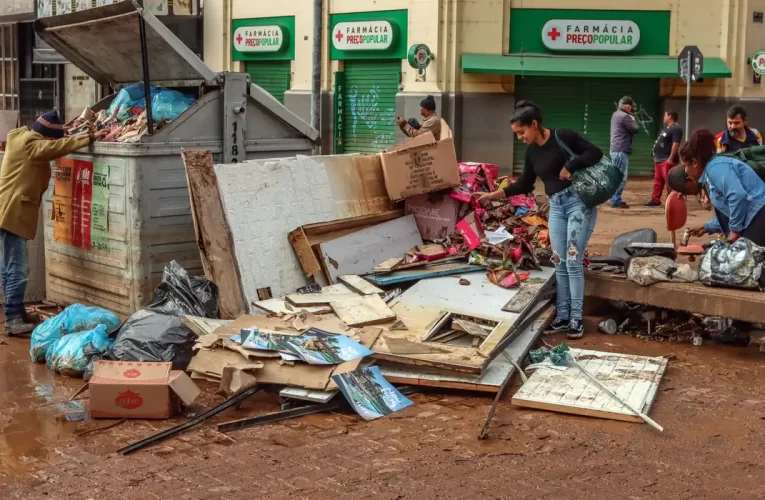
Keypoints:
pixel 475 177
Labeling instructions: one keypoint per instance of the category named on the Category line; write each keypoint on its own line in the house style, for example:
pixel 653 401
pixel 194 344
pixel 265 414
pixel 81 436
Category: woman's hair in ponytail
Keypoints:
pixel 525 113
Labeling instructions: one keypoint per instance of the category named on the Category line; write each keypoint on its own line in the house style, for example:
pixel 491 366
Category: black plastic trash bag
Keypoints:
pixel 739 265
pixel 179 294
pixel 156 333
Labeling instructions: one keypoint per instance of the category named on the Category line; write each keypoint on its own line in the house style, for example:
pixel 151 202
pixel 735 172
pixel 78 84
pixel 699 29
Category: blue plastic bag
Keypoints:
pixel 71 354
pixel 45 334
pixel 80 318
pixel 132 96
pixel 73 319
pixel 168 103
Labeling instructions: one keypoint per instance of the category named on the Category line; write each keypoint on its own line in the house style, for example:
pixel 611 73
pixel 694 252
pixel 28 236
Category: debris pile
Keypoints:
pixel 125 120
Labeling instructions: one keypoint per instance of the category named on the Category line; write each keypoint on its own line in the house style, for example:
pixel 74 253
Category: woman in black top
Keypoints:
pixel 571 221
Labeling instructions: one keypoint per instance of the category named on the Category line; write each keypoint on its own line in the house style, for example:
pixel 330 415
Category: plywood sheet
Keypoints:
pixel 481 298
pixel 634 379
pixel 266 199
pixel 421 273
pixel 361 251
pixel 282 307
pixel 307 395
pixel 362 311
pixel 489 381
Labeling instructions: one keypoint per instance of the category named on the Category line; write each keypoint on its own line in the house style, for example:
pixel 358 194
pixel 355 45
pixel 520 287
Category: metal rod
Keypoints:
pixel 146 76
pixel 688 73
pixel 497 398
pixel 161 436
pixel 605 389
pixel 316 81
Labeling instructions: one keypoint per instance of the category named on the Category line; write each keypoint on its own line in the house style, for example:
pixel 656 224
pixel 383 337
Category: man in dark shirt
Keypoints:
pixel 665 155
pixel 737 134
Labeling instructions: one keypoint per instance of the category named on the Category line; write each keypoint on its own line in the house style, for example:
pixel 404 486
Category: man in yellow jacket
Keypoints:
pixel 24 177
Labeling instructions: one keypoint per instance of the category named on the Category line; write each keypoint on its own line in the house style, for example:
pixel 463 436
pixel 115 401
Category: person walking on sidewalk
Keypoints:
pixel 24 177
pixel 737 134
pixel 665 155
pixel 571 221
pixel 624 126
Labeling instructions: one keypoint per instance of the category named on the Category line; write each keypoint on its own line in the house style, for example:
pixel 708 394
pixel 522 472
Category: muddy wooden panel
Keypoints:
pixel 212 232
pixel 527 293
pixel 360 285
pixel 692 297
pixel 420 320
pixel 634 379
pixel 489 381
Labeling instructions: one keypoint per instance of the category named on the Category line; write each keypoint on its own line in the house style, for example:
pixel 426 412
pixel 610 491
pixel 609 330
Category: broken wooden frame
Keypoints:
pixel 306 239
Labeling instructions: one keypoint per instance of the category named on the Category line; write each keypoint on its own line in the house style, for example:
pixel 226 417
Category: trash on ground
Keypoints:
pixel 139 390
pixel 370 394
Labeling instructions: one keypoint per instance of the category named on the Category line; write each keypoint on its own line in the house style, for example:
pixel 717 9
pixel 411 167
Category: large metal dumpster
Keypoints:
pixel 140 213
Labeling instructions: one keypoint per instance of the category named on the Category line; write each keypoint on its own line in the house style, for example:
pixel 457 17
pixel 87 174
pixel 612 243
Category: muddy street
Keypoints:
pixel 711 403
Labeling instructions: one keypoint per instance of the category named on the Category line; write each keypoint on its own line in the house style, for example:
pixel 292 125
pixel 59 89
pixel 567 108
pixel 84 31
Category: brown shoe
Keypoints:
pixel 17 327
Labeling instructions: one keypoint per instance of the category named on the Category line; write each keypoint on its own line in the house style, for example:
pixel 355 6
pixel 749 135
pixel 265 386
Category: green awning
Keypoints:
pixel 585 66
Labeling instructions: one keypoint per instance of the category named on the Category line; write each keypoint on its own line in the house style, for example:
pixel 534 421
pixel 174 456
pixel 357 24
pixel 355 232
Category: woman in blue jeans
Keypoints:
pixel 571 222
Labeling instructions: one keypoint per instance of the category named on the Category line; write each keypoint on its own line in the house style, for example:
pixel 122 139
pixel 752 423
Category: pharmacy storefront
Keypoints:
pixel 370 47
pixel 267 48
pixel 577 64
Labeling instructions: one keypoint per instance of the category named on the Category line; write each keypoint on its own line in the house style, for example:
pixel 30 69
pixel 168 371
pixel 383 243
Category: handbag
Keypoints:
pixel 596 184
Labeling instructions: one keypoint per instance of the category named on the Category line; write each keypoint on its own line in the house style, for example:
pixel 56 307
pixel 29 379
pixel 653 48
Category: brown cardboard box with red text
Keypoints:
pixel 420 165
pixel 124 389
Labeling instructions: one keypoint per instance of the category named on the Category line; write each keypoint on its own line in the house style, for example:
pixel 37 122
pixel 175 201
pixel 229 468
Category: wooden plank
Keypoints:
pixel 203 326
pixel 491 379
pixel 634 379
pixel 422 273
pixel 307 394
pixel 360 251
pixel 216 245
pixel 525 295
pixel 305 239
pixel 696 298
pixel 363 311
pixel 360 285
pixel 388 265
pixel 318 299
pixel 282 307
pixel 470 328
pixel 403 346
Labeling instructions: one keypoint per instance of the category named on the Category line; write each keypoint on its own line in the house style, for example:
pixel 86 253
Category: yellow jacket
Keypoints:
pixel 25 175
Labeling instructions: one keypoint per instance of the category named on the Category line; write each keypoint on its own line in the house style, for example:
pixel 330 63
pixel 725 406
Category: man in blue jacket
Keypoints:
pixel 623 129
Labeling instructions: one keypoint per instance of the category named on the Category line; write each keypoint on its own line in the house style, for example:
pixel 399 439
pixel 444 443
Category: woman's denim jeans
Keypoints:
pixel 571 225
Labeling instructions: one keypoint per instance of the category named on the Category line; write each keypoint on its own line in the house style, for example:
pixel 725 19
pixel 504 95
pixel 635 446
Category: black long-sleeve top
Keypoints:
pixel 546 162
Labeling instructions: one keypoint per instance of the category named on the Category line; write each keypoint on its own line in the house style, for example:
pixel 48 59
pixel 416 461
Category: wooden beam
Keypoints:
pixel 742 305
pixel 216 245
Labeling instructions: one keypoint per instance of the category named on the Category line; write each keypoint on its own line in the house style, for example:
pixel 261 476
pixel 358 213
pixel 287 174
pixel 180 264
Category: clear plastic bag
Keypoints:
pixel 168 103
pixel 68 355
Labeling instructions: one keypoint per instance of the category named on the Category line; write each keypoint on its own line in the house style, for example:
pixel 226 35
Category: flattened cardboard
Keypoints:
pixel 121 389
pixel 420 165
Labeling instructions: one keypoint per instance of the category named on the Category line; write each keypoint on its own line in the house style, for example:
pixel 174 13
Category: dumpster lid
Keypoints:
pixel 104 42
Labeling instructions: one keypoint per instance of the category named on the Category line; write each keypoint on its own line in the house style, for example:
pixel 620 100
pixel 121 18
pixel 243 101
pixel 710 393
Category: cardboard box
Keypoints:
pixel 123 389
pixel 420 165
pixel 435 213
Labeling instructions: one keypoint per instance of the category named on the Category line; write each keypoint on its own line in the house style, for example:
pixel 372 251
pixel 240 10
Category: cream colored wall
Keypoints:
pixel 720 28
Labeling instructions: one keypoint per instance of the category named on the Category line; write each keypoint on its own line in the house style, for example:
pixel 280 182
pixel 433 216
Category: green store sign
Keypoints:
pixel 369 35
pixel 263 39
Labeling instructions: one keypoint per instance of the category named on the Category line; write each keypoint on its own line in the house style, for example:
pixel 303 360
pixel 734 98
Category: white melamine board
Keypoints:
pixel 634 379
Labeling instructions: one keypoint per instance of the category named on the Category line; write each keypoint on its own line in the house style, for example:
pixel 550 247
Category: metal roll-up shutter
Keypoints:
pixel 586 105
pixel 273 76
pixel 369 122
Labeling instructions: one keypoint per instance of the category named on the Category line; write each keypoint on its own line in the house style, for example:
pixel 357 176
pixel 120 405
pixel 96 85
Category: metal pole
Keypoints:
pixel 688 75
pixel 146 77
pixel 316 83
